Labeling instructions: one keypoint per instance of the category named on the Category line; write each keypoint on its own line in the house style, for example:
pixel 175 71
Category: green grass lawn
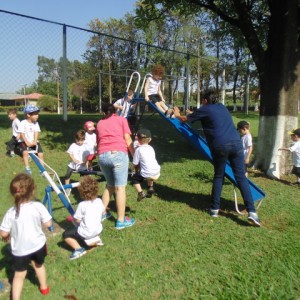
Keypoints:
pixel 175 250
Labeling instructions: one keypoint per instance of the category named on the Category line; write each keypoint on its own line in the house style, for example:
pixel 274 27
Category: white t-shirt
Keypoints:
pixel 28 129
pixel 125 107
pixel 91 142
pixel 295 149
pixel 247 143
pixel 153 86
pixel 144 156
pixel 15 125
pixel 80 153
pixel 90 215
pixel 26 231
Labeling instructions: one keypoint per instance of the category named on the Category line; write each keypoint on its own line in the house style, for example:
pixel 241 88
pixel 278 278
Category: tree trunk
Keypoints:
pixel 279 80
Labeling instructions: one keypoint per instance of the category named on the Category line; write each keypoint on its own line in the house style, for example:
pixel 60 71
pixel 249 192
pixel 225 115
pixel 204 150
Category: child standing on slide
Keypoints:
pixel 22 224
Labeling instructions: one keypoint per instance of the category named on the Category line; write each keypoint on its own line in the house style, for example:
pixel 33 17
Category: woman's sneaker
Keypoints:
pixel 214 213
pixel 127 223
pixel 77 253
pixel 253 219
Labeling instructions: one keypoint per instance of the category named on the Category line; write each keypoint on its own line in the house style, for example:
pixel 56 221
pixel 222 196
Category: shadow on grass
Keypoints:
pixel 200 202
pixel 6 264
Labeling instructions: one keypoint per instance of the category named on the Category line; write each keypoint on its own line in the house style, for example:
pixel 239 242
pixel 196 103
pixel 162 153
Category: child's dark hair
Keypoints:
pixel 12 111
pixel 88 188
pixel 158 70
pixel 22 188
pixel 243 125
pixel 80 135
pixel 108 109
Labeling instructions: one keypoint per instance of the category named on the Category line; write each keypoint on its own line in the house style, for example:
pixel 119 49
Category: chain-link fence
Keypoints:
pixel 78 68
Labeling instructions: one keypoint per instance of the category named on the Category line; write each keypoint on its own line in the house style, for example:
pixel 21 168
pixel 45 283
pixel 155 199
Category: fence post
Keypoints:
pixel 64 74
pixel 187 95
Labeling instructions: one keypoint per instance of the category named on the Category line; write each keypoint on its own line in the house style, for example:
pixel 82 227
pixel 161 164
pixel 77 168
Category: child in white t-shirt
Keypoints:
pixel 29 130
pixel 295 150
pixel 153 92
pixel 244 129
pixel 12 143
pixel 22 224
pixel 123 105
pixel 78 153
pixel 88 217
pixel 145 162
pixel 90 142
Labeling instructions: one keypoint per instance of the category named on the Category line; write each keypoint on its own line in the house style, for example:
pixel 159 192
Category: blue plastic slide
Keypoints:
pixel 200 144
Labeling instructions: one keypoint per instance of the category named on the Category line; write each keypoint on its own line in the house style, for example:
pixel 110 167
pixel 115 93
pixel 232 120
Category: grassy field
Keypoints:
pixel 175 250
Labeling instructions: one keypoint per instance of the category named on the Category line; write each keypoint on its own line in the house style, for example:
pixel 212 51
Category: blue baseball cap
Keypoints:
pixel 31 109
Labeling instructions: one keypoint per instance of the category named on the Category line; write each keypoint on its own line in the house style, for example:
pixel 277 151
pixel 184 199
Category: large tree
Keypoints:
pixel 271 30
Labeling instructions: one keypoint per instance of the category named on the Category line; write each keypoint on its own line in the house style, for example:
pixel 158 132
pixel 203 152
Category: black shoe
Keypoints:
pixel 150 192
pixel 8 154
pixel 141 196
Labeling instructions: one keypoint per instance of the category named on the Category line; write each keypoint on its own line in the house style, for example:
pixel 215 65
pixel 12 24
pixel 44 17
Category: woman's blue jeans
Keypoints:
pixel 114 165
pixel 233 152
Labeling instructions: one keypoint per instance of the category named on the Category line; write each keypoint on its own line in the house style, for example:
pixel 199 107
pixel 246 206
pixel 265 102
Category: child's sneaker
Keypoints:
pixel 68 192
pixel 100 243
pixel 28 171
pixel 127 223
pixel 95 241
pixel 253 219
pixel 141 196
pixel 107 215
pixel 150 192
pixel 45 291
pixel 69 218
pixel 77 253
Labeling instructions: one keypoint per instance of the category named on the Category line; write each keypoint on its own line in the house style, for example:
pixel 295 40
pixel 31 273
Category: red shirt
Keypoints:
pixel 110 134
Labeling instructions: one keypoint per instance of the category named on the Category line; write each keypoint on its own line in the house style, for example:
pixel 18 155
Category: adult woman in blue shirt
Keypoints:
pixel 225 144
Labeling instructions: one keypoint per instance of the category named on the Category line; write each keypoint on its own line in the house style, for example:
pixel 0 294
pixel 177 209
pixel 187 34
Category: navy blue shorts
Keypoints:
pixel 21 263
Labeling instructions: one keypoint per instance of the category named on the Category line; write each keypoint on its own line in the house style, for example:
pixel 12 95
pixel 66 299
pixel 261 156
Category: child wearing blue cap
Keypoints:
pixel 29 130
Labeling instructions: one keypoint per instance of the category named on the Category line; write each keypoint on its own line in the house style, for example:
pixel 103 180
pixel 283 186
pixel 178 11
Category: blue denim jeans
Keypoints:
pixel 114 165
pixel 233 152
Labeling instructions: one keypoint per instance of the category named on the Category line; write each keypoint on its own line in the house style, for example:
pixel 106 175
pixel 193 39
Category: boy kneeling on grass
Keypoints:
pixel 88 217
pixel 145 164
